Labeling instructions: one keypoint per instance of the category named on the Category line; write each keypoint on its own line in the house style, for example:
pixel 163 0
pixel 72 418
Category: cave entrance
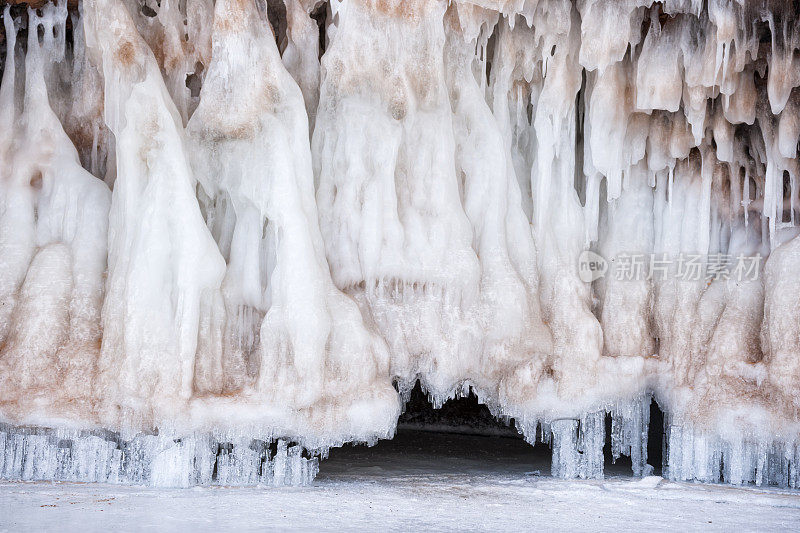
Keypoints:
pixel 462 437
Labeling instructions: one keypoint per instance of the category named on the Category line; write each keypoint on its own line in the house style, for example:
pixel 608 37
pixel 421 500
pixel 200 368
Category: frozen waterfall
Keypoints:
pixel 236 233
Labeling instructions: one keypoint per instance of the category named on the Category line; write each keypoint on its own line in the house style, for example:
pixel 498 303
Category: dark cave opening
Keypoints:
pixel 655 438
pixel 463 437
pixel 622 466
pixel 465 415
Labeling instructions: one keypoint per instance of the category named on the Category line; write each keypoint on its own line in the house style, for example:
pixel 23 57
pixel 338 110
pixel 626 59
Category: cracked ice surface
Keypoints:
pixel 228 228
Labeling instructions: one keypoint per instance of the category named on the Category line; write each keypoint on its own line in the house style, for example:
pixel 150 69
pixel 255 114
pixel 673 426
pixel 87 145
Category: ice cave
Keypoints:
pixel 236 235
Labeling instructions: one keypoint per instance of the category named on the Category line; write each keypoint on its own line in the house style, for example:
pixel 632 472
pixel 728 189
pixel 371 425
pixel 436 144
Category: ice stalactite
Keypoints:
pixel 164 268
pixel 301 55
pixel 52 245
pixel 84 117
pixel 227 228
pixel 511 337
pixel 306 347
pixel 396 234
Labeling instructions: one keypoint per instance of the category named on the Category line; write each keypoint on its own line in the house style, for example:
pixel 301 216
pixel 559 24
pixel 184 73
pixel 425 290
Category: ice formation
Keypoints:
pixel 235 233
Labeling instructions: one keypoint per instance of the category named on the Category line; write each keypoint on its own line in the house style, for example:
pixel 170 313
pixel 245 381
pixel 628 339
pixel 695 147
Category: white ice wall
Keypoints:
pixel 285 220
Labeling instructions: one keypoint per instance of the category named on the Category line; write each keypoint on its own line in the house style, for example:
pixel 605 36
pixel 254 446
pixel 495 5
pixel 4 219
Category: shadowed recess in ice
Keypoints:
pixel 235 233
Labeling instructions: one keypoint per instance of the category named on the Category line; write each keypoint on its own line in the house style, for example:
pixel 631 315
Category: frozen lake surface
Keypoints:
pixel 423 481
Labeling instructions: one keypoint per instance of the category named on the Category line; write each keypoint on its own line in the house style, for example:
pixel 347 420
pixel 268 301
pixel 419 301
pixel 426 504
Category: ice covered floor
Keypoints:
pixel 419 481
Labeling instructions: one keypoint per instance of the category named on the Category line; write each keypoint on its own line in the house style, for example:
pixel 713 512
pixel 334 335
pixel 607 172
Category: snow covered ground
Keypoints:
pixel 419 481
